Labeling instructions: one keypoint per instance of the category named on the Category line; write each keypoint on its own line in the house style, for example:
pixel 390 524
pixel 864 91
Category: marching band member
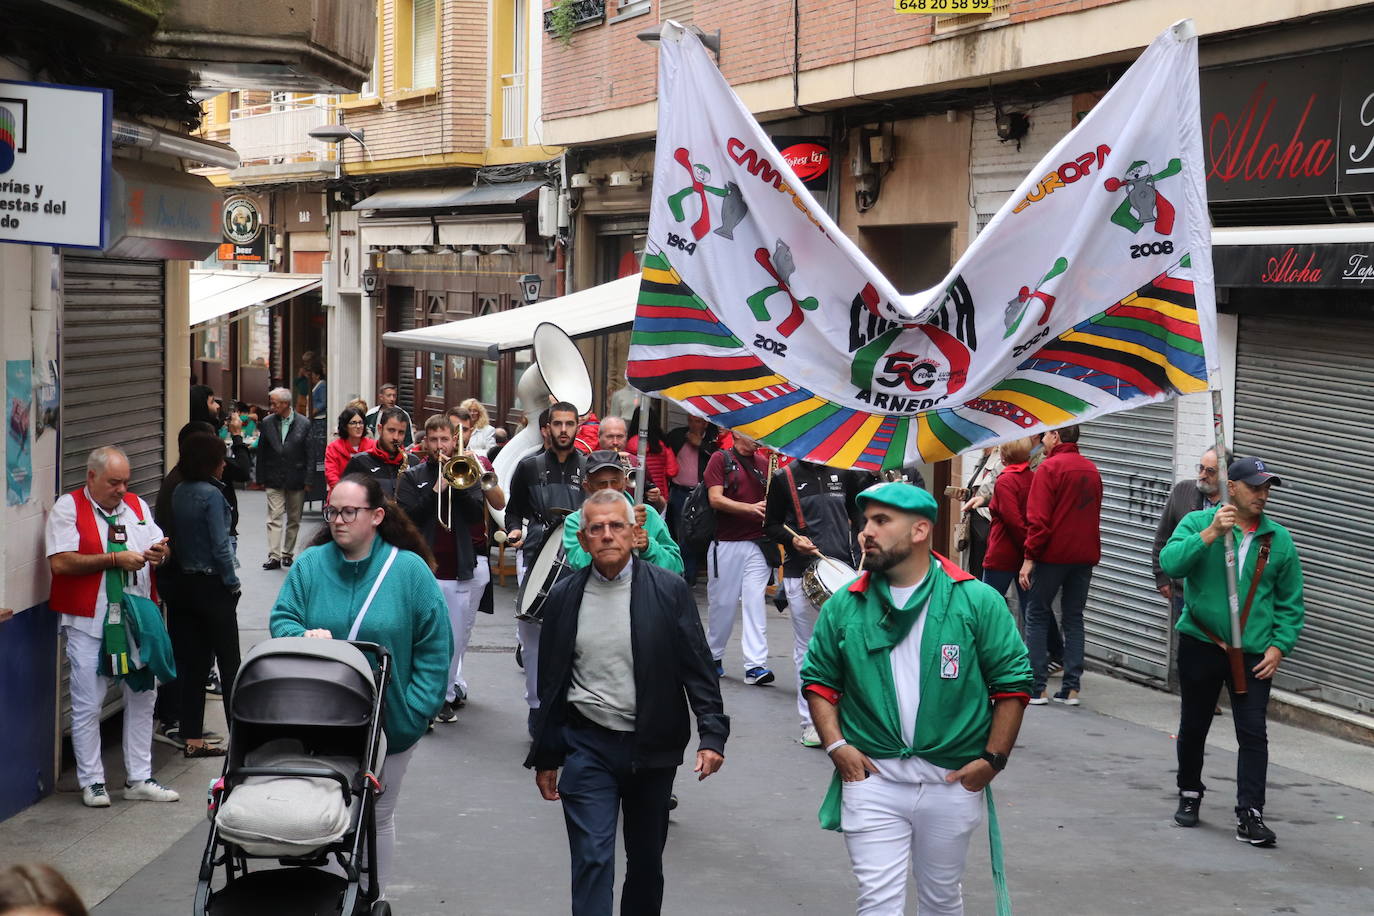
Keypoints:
pixel 605 471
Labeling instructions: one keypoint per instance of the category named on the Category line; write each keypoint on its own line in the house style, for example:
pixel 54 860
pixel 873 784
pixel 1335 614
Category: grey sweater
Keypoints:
pixel 603 674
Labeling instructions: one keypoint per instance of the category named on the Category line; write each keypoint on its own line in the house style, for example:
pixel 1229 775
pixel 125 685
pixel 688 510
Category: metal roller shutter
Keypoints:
pixel 113 383
pixel 113 367
pixel 1126 623
pixel 1302 392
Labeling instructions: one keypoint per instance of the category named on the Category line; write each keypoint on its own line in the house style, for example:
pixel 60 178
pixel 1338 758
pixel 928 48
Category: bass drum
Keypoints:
pixel 550 567
pixel 824 577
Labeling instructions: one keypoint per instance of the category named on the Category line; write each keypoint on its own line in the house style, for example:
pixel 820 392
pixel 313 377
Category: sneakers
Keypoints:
pixel 759 676
pixel 1250 828
pixel 460 697
pixel 1056 668
pixel 1038 699
pixel 1188 805
pixel 448 712
pixel 212 685
pixel 171 735
pixel 720 668
pixel 810 737
pixel 1067 697
pixel 95 796
pixel 149 790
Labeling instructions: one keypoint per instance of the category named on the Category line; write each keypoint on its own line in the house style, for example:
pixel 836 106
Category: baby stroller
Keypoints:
pixel 300 784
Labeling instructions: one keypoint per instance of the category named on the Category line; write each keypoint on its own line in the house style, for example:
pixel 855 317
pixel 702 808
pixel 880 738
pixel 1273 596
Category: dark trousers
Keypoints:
pixel 204 626
pixel 1002 579
pixel 599 783
pixel 1070 582
pixel 1202 669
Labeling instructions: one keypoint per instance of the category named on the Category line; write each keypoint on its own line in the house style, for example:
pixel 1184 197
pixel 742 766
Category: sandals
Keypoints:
pixel 203 750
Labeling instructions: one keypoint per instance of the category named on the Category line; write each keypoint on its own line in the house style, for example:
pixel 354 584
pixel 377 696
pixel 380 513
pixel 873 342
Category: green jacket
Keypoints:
pixel 409 616
pixel 662 550
pixel 850 655
pixel 1277 613
pixel 143 620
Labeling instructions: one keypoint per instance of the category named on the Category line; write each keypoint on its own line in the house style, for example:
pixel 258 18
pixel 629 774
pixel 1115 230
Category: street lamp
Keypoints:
pixel 654 34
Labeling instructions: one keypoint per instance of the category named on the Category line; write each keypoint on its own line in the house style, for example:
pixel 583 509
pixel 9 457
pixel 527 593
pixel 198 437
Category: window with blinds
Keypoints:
pixel 425 44
pixel 1001 11
pixel 677 10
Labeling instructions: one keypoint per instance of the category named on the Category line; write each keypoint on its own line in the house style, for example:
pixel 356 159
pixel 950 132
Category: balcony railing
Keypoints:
pixel 274 133
pixel 513 108
pixel 585 12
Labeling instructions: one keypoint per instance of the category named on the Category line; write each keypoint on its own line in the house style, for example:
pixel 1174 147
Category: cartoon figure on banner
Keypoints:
pixel 780 267
pixel 1020 304
pixel 700 174
pixel 1144 203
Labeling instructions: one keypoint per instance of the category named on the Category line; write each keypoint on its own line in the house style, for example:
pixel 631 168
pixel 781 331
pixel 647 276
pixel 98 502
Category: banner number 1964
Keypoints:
pixel 944 7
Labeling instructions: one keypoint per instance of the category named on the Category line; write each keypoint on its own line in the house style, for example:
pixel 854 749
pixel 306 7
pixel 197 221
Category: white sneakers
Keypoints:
pixel 810 737
pixel 149 790
pixel 95 796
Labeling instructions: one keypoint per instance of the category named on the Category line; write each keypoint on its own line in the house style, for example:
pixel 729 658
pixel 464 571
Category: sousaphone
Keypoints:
pixel 558 372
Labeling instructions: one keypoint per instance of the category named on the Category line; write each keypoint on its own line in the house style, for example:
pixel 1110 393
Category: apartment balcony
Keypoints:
pixel 273 141
pixel 300 46
pixel 513 108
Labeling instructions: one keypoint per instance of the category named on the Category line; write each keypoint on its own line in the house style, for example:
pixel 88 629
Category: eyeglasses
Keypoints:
pixel 356 423
pixel 600 527
pixel 1204 469
pixel 348 513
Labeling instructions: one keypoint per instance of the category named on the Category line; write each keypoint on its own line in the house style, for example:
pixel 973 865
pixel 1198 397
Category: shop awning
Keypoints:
pixel 216 293
pixel 481 230
pixel 598 310
pixel 394 233
pixel 448 196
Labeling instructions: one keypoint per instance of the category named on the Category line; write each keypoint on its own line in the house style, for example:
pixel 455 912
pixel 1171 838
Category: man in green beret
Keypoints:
pixel 917 680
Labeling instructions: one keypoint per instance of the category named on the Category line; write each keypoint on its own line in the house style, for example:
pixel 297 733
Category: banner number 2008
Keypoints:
pixel 943 7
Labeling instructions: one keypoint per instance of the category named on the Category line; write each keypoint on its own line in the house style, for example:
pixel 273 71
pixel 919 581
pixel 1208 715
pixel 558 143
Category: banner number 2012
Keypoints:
pixel 943 7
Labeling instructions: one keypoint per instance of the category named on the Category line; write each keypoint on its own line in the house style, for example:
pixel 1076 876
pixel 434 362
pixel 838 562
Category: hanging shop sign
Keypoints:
pixel 244 236
pixel 1299 127
pixel 54 164
pixel 1328 266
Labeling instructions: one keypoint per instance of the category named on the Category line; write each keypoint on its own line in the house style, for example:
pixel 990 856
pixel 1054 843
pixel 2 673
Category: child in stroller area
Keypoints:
pixel 369 577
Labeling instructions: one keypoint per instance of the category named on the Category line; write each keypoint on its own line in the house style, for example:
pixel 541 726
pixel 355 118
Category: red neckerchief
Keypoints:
pixel 384 458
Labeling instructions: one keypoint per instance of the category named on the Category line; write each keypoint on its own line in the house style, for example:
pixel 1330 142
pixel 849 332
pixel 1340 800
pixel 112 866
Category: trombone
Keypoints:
pixel 462 471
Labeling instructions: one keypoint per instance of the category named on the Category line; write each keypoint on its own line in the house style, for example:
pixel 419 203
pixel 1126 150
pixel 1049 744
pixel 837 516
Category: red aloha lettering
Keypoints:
pixel 1237 150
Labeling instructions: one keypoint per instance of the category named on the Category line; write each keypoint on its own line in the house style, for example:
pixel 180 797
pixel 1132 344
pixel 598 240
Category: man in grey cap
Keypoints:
pixel 652 542
pixel 1269 585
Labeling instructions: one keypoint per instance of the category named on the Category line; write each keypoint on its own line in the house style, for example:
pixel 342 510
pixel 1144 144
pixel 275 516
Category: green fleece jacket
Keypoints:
pixel 971 653
pixel 662 550
pixel 325 590
pixel 1277 613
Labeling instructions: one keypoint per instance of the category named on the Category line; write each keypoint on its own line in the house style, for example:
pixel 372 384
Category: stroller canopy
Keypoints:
pixel 300 681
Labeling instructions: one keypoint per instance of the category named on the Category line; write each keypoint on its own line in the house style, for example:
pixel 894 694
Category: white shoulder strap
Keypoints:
pixel 386 567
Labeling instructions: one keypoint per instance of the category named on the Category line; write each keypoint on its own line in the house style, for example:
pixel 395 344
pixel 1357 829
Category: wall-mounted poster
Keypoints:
pixel 47 400
pixel 18 424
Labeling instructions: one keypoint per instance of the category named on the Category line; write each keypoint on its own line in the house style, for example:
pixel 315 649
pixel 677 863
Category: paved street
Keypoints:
pixel 1085 811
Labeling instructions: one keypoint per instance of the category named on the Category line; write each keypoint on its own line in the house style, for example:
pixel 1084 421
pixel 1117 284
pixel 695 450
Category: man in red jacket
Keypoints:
pixel 1063 544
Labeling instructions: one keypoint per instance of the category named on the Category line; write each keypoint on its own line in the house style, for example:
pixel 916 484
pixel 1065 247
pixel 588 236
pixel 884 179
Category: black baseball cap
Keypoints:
pixel 601 459
pixel 1251 471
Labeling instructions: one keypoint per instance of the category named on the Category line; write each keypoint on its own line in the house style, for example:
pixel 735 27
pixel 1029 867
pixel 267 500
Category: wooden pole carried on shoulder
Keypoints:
pixel 1234 653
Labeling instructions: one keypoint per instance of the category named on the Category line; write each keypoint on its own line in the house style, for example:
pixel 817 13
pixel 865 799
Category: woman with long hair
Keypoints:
pixel 483 434
pixel 367 543
pixel 351 439
pixel 206 627
pixel 659 461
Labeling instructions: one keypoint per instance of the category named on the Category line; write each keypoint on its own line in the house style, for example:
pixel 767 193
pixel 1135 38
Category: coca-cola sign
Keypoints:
pixel 1301 127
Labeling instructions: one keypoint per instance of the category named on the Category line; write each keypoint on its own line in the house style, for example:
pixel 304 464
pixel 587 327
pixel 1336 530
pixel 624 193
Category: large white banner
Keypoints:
pixel 1089 292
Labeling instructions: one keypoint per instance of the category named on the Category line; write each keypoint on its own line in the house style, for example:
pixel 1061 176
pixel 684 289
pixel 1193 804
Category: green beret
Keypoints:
pixel 904 496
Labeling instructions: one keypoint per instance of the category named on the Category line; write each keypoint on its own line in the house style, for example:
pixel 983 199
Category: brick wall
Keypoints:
pixel 606 68
pixel 453 120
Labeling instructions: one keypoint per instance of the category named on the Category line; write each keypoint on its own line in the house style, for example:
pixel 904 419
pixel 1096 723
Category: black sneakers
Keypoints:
pixel 1250 828
pixel 1188 805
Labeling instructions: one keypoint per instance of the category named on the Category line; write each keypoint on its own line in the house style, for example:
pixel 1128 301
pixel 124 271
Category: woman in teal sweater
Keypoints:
pixel 369 537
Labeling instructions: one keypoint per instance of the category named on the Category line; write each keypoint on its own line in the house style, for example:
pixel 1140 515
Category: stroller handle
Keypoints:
pixel 371 648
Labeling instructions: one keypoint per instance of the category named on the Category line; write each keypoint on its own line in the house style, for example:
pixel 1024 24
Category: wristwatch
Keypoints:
pixel 998 761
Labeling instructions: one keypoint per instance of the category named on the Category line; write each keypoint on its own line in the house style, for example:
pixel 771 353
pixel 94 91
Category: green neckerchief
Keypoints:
pixel 895 623
pixel 116 640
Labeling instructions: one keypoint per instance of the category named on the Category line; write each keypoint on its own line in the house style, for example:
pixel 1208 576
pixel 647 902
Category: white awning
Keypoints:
pixel 396 233
pixel 479 230
pixel 598 310
pixel 216 293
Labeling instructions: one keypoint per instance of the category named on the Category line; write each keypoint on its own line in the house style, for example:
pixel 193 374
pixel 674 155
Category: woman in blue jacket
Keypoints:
pixel 208 627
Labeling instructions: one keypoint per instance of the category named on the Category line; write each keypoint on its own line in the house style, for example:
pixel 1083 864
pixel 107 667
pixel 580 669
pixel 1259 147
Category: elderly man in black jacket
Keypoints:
pixel 282 448
pixel 622 657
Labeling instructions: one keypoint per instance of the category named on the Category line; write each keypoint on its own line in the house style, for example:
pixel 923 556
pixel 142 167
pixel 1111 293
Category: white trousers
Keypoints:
pixel 462 599
pixel 803 615
pixel 88 688
pixel 737 574
pixel 393 771
pixel 890 827
pixel 527 633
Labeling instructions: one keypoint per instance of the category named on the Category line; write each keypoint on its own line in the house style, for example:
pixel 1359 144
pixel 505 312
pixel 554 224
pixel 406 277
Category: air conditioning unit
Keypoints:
pixel 581 180
pixel 624 179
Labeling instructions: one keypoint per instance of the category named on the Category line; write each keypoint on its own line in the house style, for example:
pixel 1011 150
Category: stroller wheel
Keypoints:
pixel 381 908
